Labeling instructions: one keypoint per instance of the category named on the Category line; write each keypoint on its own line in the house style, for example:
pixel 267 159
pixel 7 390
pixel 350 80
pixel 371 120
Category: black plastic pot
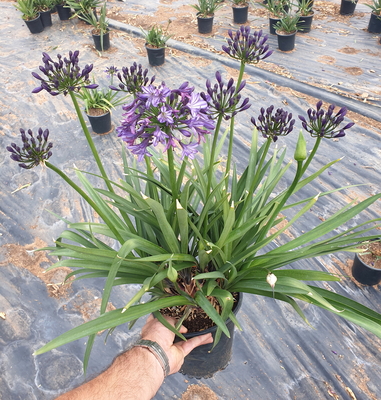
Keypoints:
pixel 98 41
pixel 364 273
pixel 100 124
pixel 347 7
pixel 64 12
pixel 240 14
pixel 156 56
pixel 305 23
pixel 46 18
pixel 203 362
pixel 374 23
pixel 272 22
pixel 205 24
pixel 286 42
pixel 35 25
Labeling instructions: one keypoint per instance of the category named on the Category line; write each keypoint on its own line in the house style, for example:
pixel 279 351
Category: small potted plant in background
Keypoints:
pixel 205 14
pixel 276 10
pixel 100 31
pixel 366 267
pixel 30 15
pixel 64 10
pixel 44 7
pixel 240 11
pixel 347 7
pixel 286 29
pixel 156 39
pixel 305 15
pixel 375 17
pixel 98 104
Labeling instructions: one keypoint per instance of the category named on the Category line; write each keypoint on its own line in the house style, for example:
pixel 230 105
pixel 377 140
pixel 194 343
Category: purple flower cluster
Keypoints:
pixel 174 118
pixel 132 79
pixel 247 47
pixel 224 101
pixel 34 150
pixel 273 125
pixel 324 123
pixel 64 75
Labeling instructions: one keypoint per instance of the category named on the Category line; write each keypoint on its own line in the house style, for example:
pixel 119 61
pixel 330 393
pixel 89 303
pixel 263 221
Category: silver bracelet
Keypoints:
pixel 157 351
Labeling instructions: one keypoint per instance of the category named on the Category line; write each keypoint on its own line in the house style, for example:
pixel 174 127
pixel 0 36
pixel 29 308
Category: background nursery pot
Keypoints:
pixel 156 56
pixel 364 268
pixel 203 362
pixel 98 42
pixel 205 24
pixel 347 7
pixel 64 12
pixel 240 13
pixel 374 23
pixel 100 124
pixel 305 23
pixel 35 25
pixel 46 18
pixel 286 41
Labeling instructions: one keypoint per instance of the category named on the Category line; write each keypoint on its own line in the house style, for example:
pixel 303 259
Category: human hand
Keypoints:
pixel 156 331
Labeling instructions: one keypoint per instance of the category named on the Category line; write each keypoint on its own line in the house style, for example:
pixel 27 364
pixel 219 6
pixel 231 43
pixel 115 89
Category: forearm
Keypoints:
pixel 136 374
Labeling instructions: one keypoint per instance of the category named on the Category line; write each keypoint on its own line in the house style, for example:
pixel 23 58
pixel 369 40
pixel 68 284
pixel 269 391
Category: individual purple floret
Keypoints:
pixel 174 118
pixel 34 150
pixel 247 47
pixel 132 79
pixel 64 75
pixel 273 125
pixel 224 101
pixel 322 123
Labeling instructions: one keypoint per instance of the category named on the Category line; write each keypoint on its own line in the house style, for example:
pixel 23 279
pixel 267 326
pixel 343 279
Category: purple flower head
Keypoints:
pixel 224 100
pixel 133 79
pixel 320 123
pixel 246 46
pixel 111 71
pixel 176 118
pixel 63 76
pixel 35 150
pixel 272 125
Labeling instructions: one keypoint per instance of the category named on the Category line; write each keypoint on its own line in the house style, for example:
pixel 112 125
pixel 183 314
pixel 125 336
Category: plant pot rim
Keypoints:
pixel 285 33
pixel 29 20
pixel 150 46
pixel 202 16
pixel 98 115
pixel 367 265
pixel 240 5
pixel 309 15
pixel 98 34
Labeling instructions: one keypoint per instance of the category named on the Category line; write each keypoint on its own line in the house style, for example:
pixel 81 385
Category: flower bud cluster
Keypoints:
pixel 132 79
pixel 174 118
pixel 224 101
pixel 273 125
pixel 247 47
pixel 34 150
pixel 322 123
pixel 64 75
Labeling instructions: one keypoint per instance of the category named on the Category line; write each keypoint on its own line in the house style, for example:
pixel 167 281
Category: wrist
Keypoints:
pixel 157 351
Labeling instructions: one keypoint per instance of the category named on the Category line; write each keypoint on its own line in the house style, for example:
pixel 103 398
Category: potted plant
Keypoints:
pixel 305 15
pixel 347 7
pixel 100 31
pixel 366 267
pixel 83 8
pixel 156 39
pixel 205 14
pixel 286 29
pixel 192 237
pixel 44 7
pixel 276 9
pixel 63 10
pixel 240 11
pixel 374 25
pixel 30 15
pixel 99 102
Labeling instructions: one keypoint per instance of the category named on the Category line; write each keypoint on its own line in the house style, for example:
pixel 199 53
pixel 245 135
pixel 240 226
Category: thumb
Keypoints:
pixel 190 344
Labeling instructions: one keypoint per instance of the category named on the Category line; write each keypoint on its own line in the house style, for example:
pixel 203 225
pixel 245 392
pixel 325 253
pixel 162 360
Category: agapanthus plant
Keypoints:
pixel 189 228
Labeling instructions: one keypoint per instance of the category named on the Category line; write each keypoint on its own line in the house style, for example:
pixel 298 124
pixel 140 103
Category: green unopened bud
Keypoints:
pixel 301 148
pixel 172 274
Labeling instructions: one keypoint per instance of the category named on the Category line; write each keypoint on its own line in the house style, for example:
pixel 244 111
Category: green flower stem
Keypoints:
pixel 212 156
pixel 231 135
pixel 312 155
pixel 172 173
pixel 90 142
pixel 86 197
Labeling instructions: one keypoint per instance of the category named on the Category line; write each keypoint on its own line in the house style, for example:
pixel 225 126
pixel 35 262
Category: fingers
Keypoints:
pixel 190 344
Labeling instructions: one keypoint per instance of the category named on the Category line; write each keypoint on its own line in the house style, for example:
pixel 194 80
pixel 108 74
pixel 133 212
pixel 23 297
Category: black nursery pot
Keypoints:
pixel 286 42
pixel 347 7
pixel 64 13
pixel 203 362
pixel 100 124
pixel 374 23
pixel 272 22
pixel 364 273
pixel 205 24
pixel 35 25
pixel 106 41
pixel 305 23
pixel 156 56
pixel 240 14
pixel 46 18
